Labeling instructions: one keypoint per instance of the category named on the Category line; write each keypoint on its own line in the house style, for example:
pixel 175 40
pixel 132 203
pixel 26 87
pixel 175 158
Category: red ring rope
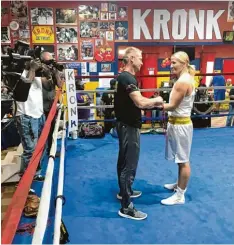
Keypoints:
pixel 15 209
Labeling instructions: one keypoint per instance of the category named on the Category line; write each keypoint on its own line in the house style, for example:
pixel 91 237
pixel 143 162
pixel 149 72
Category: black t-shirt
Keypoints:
pixel 125 109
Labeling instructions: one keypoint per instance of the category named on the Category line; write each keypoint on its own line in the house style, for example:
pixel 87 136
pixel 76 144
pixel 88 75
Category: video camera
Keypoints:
pixel 12 66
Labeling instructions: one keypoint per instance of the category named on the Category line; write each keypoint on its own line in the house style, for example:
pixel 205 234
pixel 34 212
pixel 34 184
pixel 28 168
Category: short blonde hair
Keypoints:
pixel 128 52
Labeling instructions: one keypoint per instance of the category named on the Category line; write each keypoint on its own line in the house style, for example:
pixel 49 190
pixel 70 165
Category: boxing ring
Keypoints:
pixel 90 210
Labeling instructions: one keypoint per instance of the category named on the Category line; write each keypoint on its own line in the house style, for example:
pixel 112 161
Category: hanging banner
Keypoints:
pixel 42 34
pixel 71 100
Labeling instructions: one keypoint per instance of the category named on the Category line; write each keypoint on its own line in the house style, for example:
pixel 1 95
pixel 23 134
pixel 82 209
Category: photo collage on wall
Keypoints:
pixel 86 33
pixel 14 24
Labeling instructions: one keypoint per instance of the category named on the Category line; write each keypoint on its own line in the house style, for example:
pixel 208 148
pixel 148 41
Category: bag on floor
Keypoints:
pixel 31 206
pixel 64 236
pixel 91 130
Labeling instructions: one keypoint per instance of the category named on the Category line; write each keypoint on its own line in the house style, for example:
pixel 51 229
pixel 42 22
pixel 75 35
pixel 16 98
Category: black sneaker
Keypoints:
pixel 132 213
pixel 135 194
pixel 39 178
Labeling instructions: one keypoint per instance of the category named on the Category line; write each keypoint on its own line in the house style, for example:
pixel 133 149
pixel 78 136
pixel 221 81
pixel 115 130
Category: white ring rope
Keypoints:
pixel 59 201
pixel 153 89
pixel 112 106
pixel 43 212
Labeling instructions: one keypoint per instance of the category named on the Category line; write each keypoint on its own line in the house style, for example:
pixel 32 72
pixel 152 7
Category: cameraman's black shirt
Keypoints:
pixel 125 109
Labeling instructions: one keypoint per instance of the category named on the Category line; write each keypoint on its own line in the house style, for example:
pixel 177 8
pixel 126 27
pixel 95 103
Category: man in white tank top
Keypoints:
pixel 180 127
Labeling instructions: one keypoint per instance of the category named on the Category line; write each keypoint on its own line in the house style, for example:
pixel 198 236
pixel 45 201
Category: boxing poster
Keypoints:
pixel 87 12
pixel 230 12
pixel 42 34
pixel 67 52
pixel 66 16
pixel 87 50
pixel 42 16
pixel 66 34
pixel 121 30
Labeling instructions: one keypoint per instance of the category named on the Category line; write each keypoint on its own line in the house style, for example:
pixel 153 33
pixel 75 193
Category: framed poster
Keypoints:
pixel 66 34
pixel 5 35
pixel 42 34
pixel 66 52
pixel 42 16
pixel 66 16
pixel 230 15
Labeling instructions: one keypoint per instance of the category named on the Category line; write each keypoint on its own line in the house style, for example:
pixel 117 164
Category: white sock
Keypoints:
pixel 180 191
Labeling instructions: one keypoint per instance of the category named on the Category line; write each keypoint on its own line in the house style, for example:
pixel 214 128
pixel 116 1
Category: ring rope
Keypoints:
pixel 43 211
pixel 157 75
pixel 152 89
pixel 112 106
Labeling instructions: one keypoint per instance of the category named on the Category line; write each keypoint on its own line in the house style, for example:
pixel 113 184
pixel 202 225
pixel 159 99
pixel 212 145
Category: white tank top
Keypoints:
pixel 186 105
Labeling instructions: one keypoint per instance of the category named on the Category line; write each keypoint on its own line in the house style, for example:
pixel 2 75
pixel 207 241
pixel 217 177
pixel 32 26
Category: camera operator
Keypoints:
pixel 53 72
pixel 30 114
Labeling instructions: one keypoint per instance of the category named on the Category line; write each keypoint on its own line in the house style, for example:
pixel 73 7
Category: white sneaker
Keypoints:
pixel 174 199
pixel 171 187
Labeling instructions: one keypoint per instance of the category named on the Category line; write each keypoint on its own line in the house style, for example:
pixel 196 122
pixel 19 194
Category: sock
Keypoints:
pixel 180 191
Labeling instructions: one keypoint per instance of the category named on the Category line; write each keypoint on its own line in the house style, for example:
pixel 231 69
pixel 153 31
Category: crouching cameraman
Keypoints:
pixel 30 114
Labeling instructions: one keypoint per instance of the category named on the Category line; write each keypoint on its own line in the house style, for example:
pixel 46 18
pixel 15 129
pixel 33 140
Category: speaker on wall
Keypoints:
pixel 190 50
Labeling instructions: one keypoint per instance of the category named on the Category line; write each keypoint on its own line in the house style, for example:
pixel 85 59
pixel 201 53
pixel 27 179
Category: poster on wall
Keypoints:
pixel 42 34
pixel 4 16
pixel 75 66
pixel 46 48
pixel 112 7
pixel 42 16
pixel 88 12
pixel 109 36
pixel 87 50
pixel 24 35
pixel 104 16
pixel 19 9
pixel 104 52
pixel 112 16
pixel 23 23
pixel 93 67
pixel 105 67
pixel 67 52
pixel 89 29
pixel 104 7
pixel 66 34
pixel 122 13
pixel 5 35
pixel 121 30
pixel 230 15
pixel 66 16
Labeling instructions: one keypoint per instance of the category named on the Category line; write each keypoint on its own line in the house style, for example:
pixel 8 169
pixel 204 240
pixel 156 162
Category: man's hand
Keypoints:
pixel 35 64
pixel 158 101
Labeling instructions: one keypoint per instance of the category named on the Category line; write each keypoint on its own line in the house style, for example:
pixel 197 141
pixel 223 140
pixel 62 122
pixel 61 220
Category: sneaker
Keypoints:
pixel 131 213
pixel 39 178
pixel 32 192
pixel 171 187
pixel 174 199
pixel 134 194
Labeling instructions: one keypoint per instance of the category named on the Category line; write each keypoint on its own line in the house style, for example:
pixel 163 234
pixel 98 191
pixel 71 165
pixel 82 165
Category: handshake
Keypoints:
pixel 158 103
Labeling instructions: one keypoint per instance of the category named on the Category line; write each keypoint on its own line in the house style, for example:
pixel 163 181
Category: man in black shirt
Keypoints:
pixel 128 103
